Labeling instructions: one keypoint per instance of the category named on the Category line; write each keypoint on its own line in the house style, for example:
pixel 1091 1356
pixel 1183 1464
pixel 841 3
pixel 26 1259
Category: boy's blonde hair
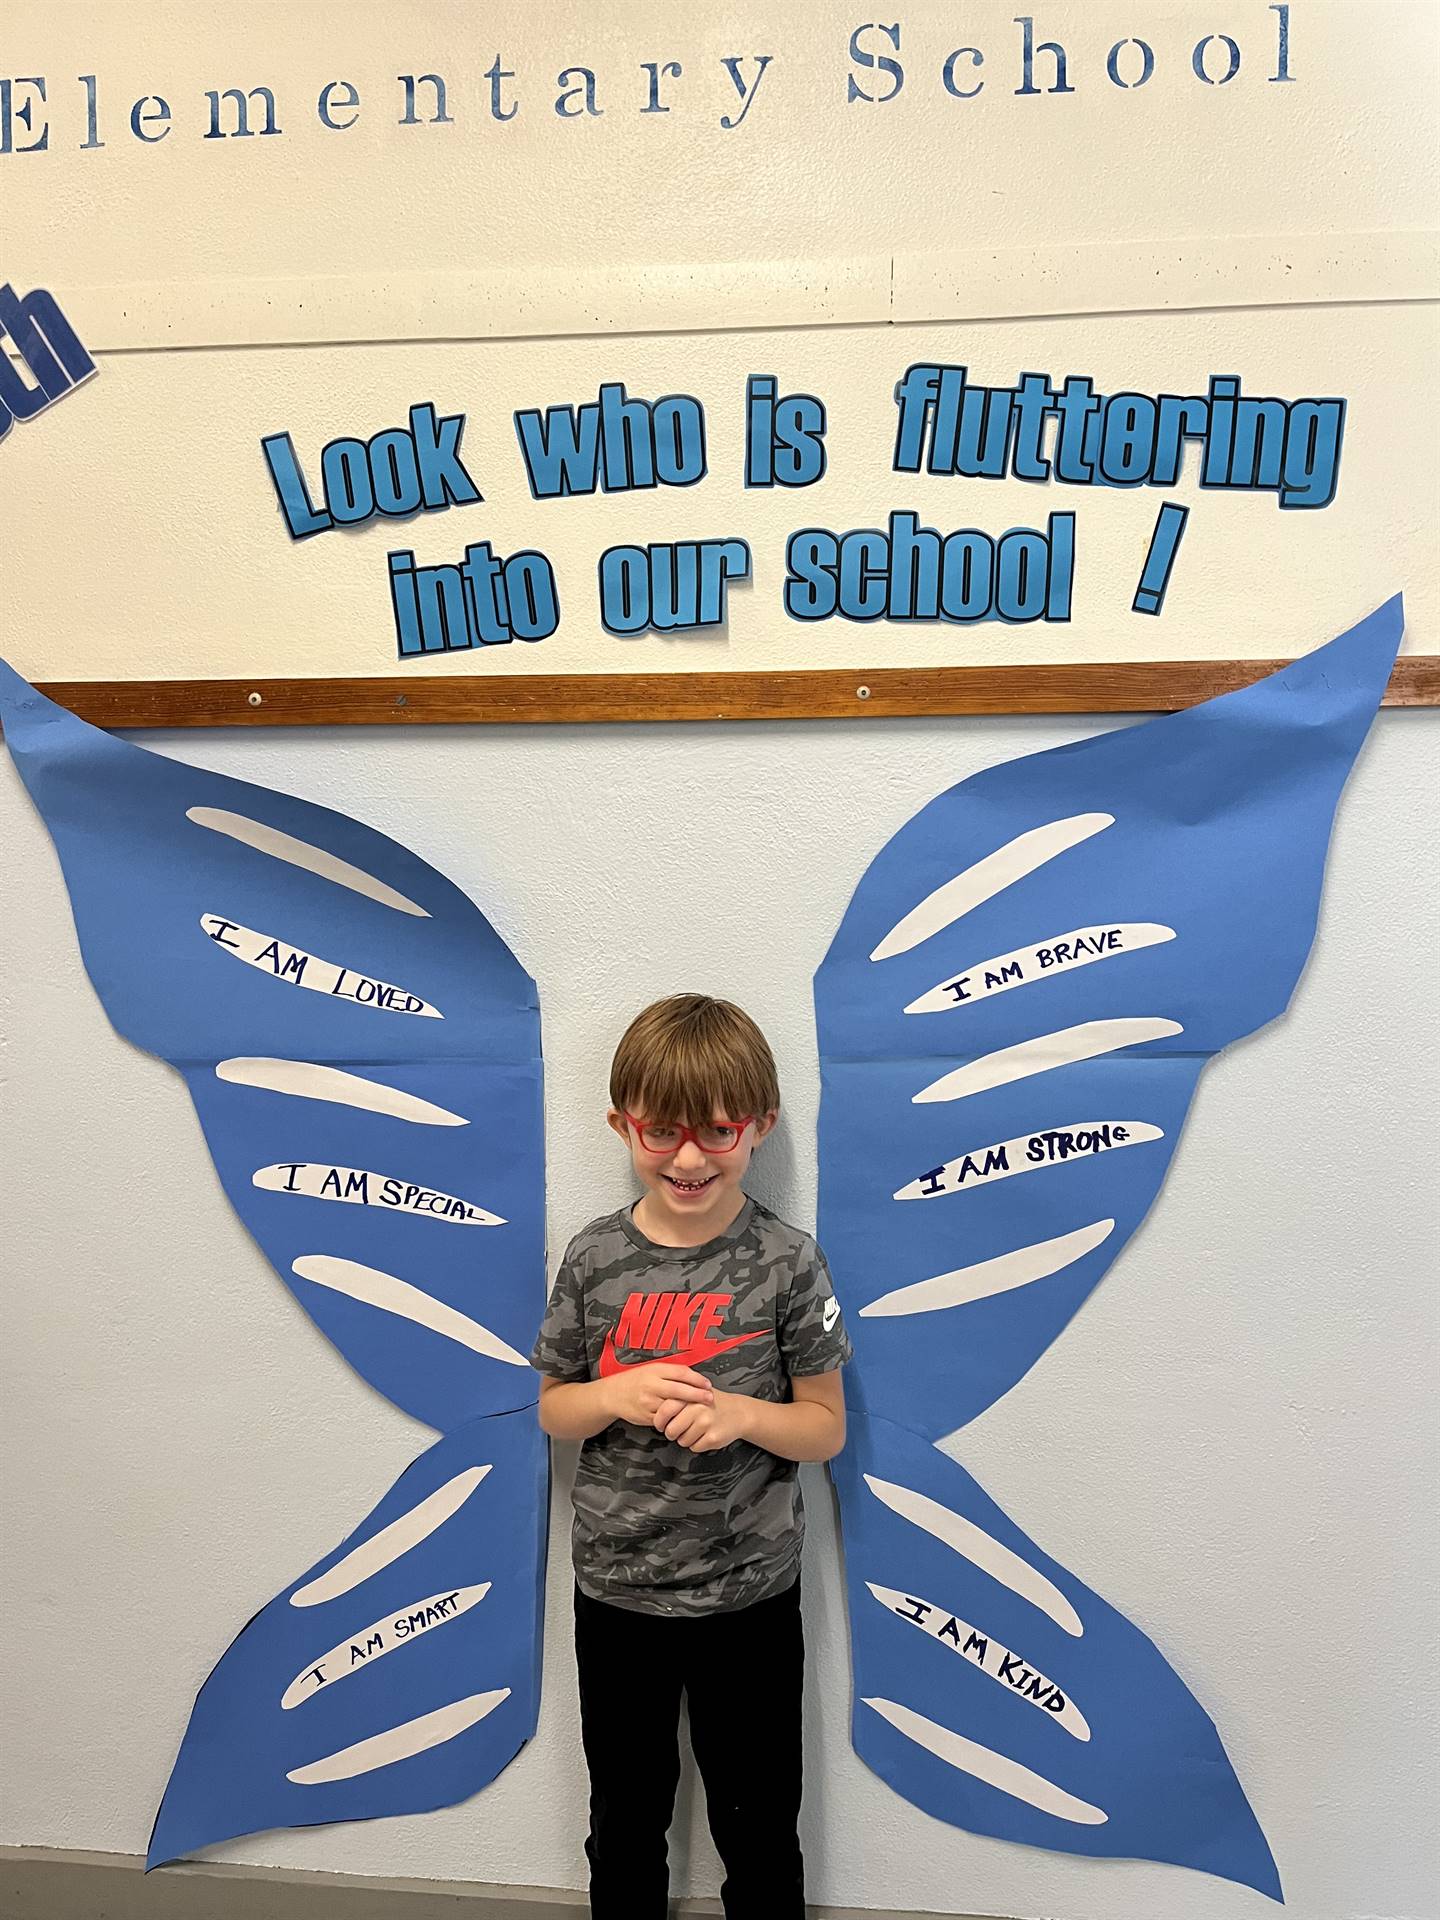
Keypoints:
pixel 683 1058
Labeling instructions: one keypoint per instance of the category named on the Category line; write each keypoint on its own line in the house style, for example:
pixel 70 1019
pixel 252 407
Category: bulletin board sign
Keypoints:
pixel 398 368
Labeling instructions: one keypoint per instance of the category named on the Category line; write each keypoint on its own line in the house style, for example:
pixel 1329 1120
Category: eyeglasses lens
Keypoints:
pixel 712 1139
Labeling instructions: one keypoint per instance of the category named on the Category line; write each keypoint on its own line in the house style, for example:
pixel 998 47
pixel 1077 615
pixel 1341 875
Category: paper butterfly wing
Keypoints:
pixel 1059 944
pixel 399 1674
pixel 364 1055
pixel 361 1046
pixel 1012 1019
pixel 997 1692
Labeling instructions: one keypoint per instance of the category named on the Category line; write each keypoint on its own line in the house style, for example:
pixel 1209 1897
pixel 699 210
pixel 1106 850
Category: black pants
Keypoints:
pixel 741 1674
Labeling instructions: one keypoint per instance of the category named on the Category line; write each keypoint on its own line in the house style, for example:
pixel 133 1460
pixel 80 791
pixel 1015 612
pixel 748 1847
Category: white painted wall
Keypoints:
pixel 1234 1442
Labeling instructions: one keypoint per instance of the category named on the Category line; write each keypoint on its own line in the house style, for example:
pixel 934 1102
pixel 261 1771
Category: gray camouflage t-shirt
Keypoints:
pixel 657 1528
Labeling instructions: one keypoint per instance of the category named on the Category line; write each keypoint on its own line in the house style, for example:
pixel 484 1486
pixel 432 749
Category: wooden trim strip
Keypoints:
pixel 588 698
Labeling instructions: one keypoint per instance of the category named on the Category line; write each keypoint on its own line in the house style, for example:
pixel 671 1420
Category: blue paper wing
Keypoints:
pixel 361 1046
pixel 399 1674
pixel 363 1051
pixel 995 1691
pixel 1049 953
pixel 1012 1018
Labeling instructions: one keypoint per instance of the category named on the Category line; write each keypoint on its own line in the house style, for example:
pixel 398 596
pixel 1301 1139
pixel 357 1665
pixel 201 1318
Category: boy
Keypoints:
pixel 693 1345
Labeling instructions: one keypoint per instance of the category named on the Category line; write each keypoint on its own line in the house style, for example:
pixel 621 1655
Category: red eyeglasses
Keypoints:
pixel 722 1136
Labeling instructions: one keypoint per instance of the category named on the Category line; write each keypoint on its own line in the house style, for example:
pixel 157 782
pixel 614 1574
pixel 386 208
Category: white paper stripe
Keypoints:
pixel 360 1187
pixel 981 1650
pixel 407 1530
pixel 972 1543
pixel 392 1295
pixel 1088 1041
pixel 294 967
pixel 369 1644
pixel 1045 959
pixel 300 853
pixel 400 1743
pixel 1018 1268
pixel 996 1769
pixel 1029 1153
pixel 308 1081
pixel 1014 861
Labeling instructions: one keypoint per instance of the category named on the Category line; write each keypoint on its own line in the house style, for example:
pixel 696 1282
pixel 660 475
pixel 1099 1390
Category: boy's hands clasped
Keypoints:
pixel 702 1428
pixel 637 1394
pixel 680 1403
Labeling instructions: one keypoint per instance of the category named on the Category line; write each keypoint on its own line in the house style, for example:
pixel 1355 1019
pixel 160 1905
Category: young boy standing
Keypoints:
pixel 693 1345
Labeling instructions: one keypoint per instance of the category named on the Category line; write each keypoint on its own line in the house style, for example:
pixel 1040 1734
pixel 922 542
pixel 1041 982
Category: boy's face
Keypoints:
pixel 695 1191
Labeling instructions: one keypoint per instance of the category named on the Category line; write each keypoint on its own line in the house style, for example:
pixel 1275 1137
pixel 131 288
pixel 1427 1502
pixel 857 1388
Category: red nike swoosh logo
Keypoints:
pixel 691 1356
